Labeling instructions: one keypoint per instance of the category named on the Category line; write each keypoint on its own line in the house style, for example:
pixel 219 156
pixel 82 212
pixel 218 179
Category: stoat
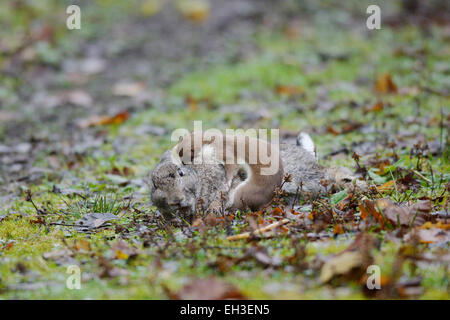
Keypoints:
pixel 256 161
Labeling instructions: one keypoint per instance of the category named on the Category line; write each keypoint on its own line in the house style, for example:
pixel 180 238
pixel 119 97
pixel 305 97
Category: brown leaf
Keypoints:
pixel 194 10
pixel 211 220
pixel 288 90
pixel 352 262
pixel 82 245
pixel 385 84
pixel 225 263
pixel 369 212
pixel 434 235
pixel 104 120
pixel 338 229
pixel 208 289
pixel 109 271
pixel 331 130
pixel 341 264
pixel 377 107
pixel 439 224
pixel 386 186
pixel 192 103
pixel 405 215
pixel 261 255
pixel 122 250
pixel 60 256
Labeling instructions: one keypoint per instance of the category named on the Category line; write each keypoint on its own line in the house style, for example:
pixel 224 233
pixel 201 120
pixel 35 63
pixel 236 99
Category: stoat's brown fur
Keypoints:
pixel 258 186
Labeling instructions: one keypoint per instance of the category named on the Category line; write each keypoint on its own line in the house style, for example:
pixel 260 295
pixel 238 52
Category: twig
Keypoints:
pixel 247 235
pixel 420 175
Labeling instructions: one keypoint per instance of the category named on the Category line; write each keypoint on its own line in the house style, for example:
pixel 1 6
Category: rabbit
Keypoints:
pixel 179 190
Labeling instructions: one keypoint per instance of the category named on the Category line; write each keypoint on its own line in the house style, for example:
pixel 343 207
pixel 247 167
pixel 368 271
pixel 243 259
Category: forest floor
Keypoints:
pixel 86 114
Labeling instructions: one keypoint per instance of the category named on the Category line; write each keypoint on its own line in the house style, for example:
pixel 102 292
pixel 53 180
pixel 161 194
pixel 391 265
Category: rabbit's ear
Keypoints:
pixel 175 157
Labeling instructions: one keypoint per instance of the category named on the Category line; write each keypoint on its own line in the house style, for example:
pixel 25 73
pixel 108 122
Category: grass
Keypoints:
pixel 251 83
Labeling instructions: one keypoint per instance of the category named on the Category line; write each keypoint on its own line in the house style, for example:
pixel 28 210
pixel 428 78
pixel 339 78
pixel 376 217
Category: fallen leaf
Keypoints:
pixel 340 265
pixel 151 7
pixel 194 10
pixel 104 120
pixel 82 245
pixel 207 289
pixel 292 29
pixel 368 212
pixel 128 89
pixel 211 220
pixel 288 90
pixel 77 97
pixel 385 84
pixel 60 256
pixel 122 250
pixel 411 91
pixel 406 215
pixel 109 271
pixel 434 235
pixel 8 246
pixel 192 103
pixel 261 255
pixel 439 224
pixel 377 107
pixel 350 263
pixel 92 221
pixel 386 186
pixel 338 229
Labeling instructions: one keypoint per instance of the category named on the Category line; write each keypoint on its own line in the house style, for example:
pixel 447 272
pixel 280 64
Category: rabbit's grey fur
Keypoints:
pixel 307 174
pixel 179 190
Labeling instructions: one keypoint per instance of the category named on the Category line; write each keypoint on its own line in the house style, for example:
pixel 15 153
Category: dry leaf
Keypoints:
pixel 338 229
pixel 151 7
pixel 439 224
pixel 122 250
pixel 377 107
pixel 194 10
pixel 405 215
pixel 433 235
pixel 92 221
pixel 128 89
pixel 207 289
pixel 288 90
pixel 104 120
pixel 192 103
pixel 386 186
pixel 261 255
pixel 385 84
pixel 340 265
pixel 82 245
pixel 352 262
pixel 368 211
